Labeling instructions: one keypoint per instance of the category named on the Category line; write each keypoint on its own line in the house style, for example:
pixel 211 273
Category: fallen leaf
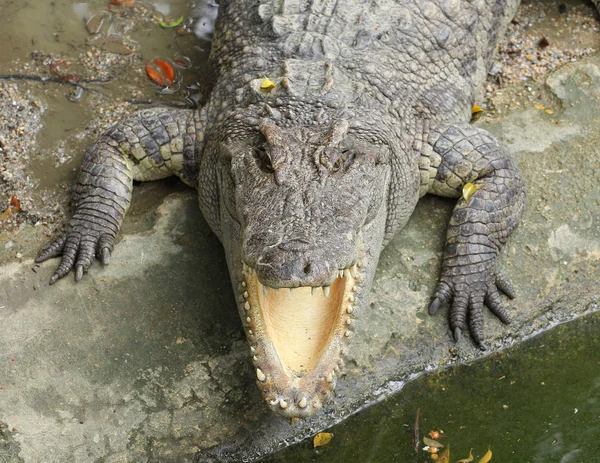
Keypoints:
pixel 168 24
pixel 267 84
pixel 155 75
pixel 183 62
pixel 166 69
pixel 468 190
pixel 95 23
pixel 444 456
pixel 487 457
pixel 58 68
pixel 476 109
pixel 116 43
pixel 549 111
pixel 467 460
pixel 543 43
pixel 129 3
pixel 15 204
pixel 321 439
pixel 538 106
pixel 160 72
pixel 432 443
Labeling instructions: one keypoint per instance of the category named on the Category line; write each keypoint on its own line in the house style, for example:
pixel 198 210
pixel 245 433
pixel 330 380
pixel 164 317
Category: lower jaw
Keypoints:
pixel 298 338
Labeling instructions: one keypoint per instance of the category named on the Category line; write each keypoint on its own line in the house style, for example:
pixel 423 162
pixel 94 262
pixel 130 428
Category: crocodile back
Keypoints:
pixel 406 56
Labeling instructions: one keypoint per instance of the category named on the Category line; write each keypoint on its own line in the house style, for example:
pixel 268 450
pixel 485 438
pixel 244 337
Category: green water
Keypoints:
pixel 537 402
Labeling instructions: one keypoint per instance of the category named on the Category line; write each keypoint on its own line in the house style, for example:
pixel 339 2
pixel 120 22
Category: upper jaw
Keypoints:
pixel 298 336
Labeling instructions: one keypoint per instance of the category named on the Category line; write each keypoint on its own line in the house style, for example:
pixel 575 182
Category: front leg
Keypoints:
pixel 149 145
pixel 459 154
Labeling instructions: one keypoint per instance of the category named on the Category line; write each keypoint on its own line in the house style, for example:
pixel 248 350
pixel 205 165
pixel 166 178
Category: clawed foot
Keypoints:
pixel 78 245
pixel 468 291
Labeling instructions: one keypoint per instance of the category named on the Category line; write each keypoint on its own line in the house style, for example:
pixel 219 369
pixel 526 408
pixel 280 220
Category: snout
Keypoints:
pixel 295 263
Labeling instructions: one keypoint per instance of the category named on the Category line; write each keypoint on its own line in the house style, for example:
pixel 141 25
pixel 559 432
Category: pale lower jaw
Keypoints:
pixel 297 337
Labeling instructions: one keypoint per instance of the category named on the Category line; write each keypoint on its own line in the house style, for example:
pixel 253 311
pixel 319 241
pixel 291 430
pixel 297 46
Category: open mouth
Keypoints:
pixel 297 337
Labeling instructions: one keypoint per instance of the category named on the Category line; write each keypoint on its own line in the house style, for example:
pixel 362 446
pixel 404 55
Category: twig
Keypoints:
pixel 171 103
pixel 416 437
pixel 69 79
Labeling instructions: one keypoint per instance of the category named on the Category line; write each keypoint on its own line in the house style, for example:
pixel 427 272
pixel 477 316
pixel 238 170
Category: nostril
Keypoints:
pixel 307 268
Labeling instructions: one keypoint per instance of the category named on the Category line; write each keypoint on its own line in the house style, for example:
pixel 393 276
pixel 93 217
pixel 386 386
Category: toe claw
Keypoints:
pixel 79 273
pixel 105 256
pixel 54 279
pixel 435 306
pixel 457 333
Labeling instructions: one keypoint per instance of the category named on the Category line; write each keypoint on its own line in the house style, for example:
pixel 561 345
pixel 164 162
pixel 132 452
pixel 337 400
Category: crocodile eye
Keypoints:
pixel 343 161
pixel 263 160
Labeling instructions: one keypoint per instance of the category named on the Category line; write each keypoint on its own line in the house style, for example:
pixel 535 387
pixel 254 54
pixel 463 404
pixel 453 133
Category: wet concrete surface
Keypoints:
pixel 146 360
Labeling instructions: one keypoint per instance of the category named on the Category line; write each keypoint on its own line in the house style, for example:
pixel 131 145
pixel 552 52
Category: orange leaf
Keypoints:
pixel 15 204
pixel 129 3
pixel 166 69
pixel 155 75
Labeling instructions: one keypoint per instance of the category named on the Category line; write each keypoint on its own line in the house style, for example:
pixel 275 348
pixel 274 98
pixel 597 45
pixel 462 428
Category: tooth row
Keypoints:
pixel 247 269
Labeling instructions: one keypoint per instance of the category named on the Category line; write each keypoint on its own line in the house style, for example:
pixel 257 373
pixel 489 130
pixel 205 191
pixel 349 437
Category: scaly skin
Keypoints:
pixel 305 183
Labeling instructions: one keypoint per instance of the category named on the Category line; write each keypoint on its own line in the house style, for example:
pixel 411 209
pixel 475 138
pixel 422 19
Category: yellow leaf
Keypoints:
pixel 549 111
pixel 321 439
pixel 267 84
pixel 468 190
pixel 487 457
pixel 476 109
pixel 444 456
pixel 467 460
pixel 538 106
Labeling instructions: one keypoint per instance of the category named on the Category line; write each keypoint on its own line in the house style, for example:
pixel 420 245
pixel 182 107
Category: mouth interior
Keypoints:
pixel 300 323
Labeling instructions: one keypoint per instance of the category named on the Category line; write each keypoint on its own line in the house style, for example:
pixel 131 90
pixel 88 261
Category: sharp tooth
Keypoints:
pixel 340 273
pixel 277 290
pixel 351 298
pixel 255 358
pixel 303 402
pixel 266 290
pixel 274 402
pixel 252 349
pixel 353 271
pixel 249 320
pixel 243 284
pixel 244 267
pixel 347 333
pixel 283 403
pixel 245 294
pixel 313 290
pixel 347 273
pixel 330 377
pixel 326 290
pixel 291 289
pixel 359 264
pixel 247 305
pixel 349 309
pixel 260 375
pixel 348 322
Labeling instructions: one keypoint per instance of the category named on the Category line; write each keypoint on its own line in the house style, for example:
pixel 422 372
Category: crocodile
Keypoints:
pixel 321 126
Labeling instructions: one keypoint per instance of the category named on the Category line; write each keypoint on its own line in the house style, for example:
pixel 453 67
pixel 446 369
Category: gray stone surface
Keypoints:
pixel 145 360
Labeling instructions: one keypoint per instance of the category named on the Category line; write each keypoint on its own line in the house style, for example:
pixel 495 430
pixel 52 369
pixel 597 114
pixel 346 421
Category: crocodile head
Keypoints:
pixel 303 212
